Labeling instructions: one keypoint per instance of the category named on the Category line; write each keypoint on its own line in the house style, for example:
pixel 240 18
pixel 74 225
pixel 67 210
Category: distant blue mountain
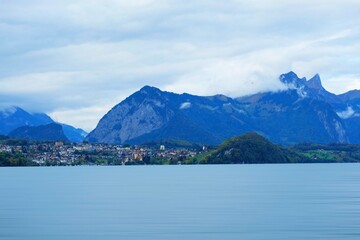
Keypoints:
pixel 305 112
pixel 346 106
pixel 76 135
pixel 49 132
pixel 14 117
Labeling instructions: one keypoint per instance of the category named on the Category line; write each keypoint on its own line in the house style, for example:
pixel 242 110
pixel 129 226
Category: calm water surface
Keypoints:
pixel 312 201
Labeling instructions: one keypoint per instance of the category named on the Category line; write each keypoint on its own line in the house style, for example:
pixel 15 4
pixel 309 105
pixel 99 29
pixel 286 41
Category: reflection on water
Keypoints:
pixel 310 201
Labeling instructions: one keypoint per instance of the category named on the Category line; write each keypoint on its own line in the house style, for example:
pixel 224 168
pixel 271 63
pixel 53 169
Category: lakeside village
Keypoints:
pixel 65 154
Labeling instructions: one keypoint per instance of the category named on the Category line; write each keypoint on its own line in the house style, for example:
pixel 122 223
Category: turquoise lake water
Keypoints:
pixel 295 201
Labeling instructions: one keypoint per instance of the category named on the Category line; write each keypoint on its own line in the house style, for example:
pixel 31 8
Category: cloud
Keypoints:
pixel 348 113
pixel 71 58
pixel 85 117
pixel 6 111
pixel 343 83
pixel 235 78
pixel 185 105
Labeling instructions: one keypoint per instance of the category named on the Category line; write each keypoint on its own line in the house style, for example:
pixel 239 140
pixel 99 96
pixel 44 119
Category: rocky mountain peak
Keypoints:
pixel 288 75
pixel 292 80
pixel 149 90
pixel 146 93
pixel 315 82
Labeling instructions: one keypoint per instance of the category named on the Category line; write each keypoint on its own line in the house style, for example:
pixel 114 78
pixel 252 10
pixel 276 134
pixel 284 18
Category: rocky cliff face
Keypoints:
pixel 288 117
pixel 350 114
pixel 140 114
pixel 151 114
pixel 306 112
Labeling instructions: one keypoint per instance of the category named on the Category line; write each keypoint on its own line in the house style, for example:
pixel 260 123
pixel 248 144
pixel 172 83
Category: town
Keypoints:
pixel 65 154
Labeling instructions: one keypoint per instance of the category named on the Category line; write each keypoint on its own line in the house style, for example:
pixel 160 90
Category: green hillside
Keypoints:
pixel 251 148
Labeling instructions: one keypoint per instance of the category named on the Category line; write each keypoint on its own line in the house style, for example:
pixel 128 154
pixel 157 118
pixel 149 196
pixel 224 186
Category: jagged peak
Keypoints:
pixel 315 82
pixel 292 79
pixel 290 74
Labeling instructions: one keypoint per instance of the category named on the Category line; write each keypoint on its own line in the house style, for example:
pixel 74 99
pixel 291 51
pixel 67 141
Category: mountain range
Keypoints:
pixel 16 122
pixel 304 112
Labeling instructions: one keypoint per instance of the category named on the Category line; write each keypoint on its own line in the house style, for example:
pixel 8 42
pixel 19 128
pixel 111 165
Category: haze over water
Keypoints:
pixel 299 201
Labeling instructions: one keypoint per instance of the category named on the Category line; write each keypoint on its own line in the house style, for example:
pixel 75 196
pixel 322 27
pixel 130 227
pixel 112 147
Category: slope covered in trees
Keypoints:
pixel 251 148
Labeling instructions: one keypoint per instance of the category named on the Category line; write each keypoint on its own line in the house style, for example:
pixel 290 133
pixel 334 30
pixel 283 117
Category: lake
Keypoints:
pixel 294 201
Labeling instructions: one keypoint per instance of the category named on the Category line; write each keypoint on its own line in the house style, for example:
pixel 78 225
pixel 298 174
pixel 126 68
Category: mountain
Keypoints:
pixel 151 115
pixel 49 132
pixel 14 117
pixel 350 113
pixel 305 112
pixel 76 135
pixel 352 97
pixel 286 118
pixel 251 148
pixel 346 106
pixel 3 137
pixel 312 88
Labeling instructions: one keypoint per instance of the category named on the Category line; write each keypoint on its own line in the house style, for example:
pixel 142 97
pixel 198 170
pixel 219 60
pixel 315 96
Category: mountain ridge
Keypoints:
pixel 305 112
pixel 14 117
pixel 49 132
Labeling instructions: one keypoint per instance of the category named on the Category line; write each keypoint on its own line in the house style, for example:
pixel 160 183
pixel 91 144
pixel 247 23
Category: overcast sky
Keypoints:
pixel 75 59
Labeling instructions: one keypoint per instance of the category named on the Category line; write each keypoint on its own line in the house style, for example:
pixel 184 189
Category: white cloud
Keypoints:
pixel 6 111
pixel 185 105
pixel 348 113
pixel 231 77
pixel 343 83
pixel 78 55
pixel 38 83
pixel 86 118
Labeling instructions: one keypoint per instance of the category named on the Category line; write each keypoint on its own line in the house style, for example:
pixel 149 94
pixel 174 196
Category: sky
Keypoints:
pixel 76 59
